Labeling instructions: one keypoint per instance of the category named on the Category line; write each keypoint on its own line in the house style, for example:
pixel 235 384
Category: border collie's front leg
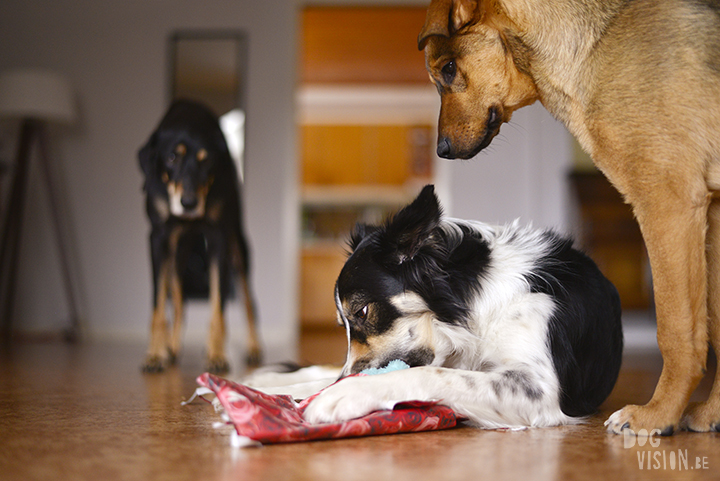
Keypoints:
pixel 508 397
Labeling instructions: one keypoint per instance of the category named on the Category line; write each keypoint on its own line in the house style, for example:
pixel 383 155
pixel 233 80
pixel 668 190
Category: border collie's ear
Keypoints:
pixel 412 228
pixel 359 232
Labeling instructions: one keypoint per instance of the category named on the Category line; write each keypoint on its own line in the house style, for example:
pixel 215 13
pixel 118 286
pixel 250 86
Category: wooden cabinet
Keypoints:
pixel 351 173
pixel 320 265
pixel 365 154
pixel 362 45
pixel 366 112
pixel 322 339
pixel 610 235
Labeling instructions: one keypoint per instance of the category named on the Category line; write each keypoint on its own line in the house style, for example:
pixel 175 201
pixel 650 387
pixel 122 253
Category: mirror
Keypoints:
pixel 210 67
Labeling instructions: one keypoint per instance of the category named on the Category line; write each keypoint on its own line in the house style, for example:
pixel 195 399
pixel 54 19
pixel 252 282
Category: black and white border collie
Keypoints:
pixel 509 326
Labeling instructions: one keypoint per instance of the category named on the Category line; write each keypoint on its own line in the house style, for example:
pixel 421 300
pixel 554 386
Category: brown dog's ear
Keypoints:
pixel 463 12
pixel 437 21
pixel 445 17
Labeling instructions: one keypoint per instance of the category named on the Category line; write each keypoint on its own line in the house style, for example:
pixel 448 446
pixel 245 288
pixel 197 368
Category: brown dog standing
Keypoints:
pixel 638 84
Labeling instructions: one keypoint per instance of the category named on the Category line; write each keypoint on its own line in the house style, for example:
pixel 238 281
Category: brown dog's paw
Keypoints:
pixel 154 364
pixel 218 365
pixel 641 420
pixel 702 418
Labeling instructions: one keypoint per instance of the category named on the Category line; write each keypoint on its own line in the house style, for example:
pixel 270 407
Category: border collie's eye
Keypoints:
pixel 362 313
pixel 171 159
pixel 448 72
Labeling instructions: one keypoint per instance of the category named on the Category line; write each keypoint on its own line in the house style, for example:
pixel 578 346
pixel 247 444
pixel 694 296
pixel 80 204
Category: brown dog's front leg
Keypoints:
pixel 673 226
pixel 706 416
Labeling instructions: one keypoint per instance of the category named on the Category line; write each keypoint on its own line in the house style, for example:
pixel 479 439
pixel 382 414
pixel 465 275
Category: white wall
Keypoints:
pixel 522 174
pixel 115 54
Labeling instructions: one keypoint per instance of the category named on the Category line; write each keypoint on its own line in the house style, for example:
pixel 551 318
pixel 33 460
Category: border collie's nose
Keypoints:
pixel 444 148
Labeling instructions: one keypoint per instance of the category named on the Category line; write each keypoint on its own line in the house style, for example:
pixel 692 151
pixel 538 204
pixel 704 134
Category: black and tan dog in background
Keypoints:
pixel 638 84
pixel 192 189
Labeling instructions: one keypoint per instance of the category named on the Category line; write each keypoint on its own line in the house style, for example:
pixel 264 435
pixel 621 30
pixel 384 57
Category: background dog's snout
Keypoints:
pixel 444 148
pixel 189 200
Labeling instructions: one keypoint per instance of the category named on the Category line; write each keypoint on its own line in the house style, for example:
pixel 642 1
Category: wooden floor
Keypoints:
pixel 87 412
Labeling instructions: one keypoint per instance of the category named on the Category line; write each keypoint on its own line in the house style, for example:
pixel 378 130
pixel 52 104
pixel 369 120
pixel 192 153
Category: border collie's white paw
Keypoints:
pixel 350 398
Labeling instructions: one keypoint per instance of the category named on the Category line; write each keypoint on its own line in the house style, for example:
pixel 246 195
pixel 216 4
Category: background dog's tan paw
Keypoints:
pixel 640 419
pixel 218 365
pixel 154 364
pixel 702 418
pixel 172 357
pixel 253 358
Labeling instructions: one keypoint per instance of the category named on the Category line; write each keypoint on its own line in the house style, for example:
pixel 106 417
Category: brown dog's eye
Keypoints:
pixel 448 72
pixel 362 313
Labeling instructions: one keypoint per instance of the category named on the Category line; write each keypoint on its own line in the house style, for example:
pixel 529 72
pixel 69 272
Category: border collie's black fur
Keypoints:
pixel 508 325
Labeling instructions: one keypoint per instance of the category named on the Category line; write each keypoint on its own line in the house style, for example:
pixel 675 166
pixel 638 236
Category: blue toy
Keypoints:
pixel 395 365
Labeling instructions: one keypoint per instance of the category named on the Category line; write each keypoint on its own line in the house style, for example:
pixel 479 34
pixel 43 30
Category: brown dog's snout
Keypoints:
pixel 444 148
pixel 460 138
pixel 494 118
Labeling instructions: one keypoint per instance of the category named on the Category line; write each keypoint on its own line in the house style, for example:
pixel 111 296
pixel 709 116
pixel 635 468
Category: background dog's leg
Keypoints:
pixel 177 297
pixel 673 224
pixel 157 352
pixel 706 416
pixel 254 353
pixel 241 261
pixel 217 362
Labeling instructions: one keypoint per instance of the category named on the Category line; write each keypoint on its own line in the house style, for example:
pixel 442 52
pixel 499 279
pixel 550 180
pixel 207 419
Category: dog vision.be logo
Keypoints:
pixel 655 458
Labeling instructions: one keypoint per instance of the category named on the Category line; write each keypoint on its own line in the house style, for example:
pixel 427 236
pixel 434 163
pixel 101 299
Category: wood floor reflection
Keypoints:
pixel 87 412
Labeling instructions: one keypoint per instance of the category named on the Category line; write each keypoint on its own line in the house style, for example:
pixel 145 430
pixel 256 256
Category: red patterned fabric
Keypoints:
pixel 279 419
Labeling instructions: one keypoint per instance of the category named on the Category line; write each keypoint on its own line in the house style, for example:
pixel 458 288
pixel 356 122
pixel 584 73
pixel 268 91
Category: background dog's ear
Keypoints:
pixel 445 17
pixel 148 156
pixel 412 228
